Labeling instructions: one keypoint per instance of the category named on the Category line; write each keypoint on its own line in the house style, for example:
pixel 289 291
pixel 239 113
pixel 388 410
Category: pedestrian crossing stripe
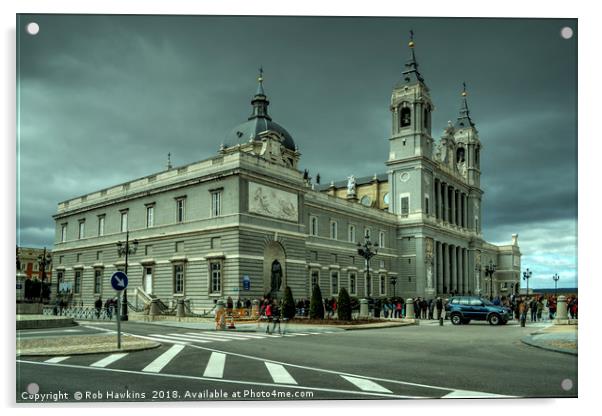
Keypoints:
pixel 466 394
pixel 215 365
pixel 169 338
pixel 56 359
pixel 366 385
pixel 279 373
pixel 159 339
pixel 161 361
pixel 108 360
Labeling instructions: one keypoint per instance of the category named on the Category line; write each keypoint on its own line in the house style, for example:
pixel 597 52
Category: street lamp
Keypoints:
pixel 44 259
pixel 126 249
pixel 556 279
pixel 477 269
pixel 489 271
pixel 526 276
pixel 367 251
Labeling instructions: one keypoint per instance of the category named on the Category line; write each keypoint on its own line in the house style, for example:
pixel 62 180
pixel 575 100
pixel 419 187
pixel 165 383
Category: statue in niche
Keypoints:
pixel 276 278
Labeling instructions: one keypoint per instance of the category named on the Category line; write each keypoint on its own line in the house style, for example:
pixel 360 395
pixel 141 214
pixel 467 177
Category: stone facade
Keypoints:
pixel 249 213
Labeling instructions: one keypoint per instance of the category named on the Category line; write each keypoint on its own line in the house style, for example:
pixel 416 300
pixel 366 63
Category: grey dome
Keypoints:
pixel 250 129
pixel 258 122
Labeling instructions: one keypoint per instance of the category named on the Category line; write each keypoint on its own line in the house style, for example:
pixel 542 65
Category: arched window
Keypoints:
pixel 477 156
pixel 333 230
pixel 405 115
pixel 427 114
pixel 460 155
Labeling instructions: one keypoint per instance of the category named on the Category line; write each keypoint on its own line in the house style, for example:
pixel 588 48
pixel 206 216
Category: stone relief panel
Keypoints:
pixel 264 200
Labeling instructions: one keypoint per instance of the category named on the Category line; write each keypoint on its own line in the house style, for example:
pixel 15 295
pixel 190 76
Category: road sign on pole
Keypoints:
pixel 119 281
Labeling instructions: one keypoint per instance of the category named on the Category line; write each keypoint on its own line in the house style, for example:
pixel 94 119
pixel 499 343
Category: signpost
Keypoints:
pixel 119 281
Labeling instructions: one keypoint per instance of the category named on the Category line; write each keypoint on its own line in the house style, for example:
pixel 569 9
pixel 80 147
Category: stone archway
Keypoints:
pixel 274 269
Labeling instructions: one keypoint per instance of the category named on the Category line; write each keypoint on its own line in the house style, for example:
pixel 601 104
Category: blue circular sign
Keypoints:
pixel 119 281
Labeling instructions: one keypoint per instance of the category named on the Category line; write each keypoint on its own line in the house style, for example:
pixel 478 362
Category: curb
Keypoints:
pixel 528 341
pixel 113 350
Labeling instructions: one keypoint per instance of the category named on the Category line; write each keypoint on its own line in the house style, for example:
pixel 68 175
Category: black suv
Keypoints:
pixel 462 309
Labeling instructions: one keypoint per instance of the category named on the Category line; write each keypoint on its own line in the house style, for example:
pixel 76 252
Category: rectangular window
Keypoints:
pixel 216 242
pixel 77 281
pixel 383 285
pixel 333 230
pixel 351 259
pixel 99 255
pixel 59 277
pixel 351 236
pixel 315 279
pixel 381 239
pixel 352 283
pixel 150 216
pixel 61 258
pixel 97 281
pixel 148 250
pixel 215 268
pixel 180 207
pixel 178 278
pixel 82 229
pixel 78 257
pixel 124 221
pixel 334 282
pixel 63 233
pixel 334 258
pixel 216 203
pixel 179 246
pixel 101 225
pixel 313 225
pixel 405 206
pixel 426 205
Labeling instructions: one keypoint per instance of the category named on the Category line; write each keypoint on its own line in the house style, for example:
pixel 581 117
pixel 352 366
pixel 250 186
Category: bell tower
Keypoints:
pixel 468 158
pixel 410 144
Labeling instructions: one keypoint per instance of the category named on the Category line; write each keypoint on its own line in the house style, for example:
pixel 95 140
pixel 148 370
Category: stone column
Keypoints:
pixel 444 201
pixel 452 203
pixel 445 271
pixel 466 278
pixel 465 211
pixel 454 270
pixel 364 313
pixel 460 271
pixel 410 309
pixel 440 268
pixel 437 199
pixel 180 311
pixel 562 317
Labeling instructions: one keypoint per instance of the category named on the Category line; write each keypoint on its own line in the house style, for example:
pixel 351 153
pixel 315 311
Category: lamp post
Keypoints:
pixel 126 249
pixel 526 276
pixel 489 271
pixel 44 259
pixel 477 269
pixel 367 251
pixel 556 279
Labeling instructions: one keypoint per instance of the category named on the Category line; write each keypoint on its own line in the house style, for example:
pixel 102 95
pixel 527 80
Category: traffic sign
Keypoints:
pixel 246 282
pixel 119 281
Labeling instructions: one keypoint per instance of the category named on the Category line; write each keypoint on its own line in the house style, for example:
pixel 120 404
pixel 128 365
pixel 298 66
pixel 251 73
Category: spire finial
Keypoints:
pixel 260 101
pixel 169 161
pixel 411 74
pixel 464 93
pixel 464 119
pixel 260 78
pixel 411 42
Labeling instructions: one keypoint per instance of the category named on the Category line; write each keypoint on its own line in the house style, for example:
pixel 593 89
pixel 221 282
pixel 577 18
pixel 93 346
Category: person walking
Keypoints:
pixel 276 317
pixel 268 316
pixel 552 308
pixel 439 306
pixel 98 306
pixel 109 308
pixel 539 309
pixel 431 308
pixel 533 309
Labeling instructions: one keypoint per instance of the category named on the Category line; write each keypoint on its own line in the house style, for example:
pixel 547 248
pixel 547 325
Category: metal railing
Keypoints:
pixel 81 313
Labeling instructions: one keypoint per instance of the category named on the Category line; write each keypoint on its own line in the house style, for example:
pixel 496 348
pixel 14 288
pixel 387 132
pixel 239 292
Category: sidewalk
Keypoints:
pixel 81 344
pixel 558 338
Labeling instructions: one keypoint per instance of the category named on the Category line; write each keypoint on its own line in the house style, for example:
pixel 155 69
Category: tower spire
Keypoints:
pixel 411 74
pixel 464 119
pixel 260 100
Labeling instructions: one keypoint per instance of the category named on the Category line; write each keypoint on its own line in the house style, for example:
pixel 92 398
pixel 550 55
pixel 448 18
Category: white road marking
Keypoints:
pixel 108 360
pixel 170 338
pixel 238 382
pixel 56 360
pixel 234 335
pixel 366 385
pixel 211 337
pixel 466 394
pixel 215 366
pixel 159 339
pixel 279 373
pixel 161 361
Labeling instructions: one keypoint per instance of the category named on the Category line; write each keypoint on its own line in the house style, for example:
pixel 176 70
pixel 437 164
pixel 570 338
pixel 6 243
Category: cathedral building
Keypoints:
pixel 248 222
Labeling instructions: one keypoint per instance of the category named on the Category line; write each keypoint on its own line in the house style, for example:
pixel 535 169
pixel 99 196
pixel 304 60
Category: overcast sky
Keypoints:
pixel 103 99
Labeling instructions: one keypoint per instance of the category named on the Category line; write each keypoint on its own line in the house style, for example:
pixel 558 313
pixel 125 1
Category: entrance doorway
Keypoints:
pixel 148 280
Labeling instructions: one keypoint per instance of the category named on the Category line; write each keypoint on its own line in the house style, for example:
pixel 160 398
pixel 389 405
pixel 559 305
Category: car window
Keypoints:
pixel 476 302
pixel 463 301
pixel 455 301
pixel 486 302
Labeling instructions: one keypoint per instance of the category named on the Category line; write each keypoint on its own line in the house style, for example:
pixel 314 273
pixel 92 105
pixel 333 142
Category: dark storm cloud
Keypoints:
pixel 103 99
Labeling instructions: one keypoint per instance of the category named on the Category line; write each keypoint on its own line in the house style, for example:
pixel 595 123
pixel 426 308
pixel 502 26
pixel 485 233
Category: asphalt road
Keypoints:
pixel 425 361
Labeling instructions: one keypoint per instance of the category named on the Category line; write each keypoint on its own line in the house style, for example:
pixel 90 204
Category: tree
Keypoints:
pixel 316 307
pixel 344 305
pixel 288 304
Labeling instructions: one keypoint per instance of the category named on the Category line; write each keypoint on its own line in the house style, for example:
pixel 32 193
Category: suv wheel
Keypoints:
pixel 494 319
pixel 456 319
